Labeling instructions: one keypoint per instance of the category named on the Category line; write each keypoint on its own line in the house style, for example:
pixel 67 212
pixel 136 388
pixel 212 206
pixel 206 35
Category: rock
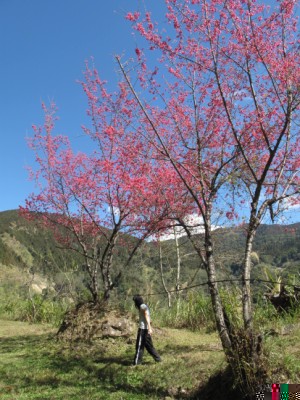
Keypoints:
pixel 172 391
pixel 109 331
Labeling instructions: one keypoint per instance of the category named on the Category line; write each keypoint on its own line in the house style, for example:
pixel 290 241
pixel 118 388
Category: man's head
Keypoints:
pixel 138 300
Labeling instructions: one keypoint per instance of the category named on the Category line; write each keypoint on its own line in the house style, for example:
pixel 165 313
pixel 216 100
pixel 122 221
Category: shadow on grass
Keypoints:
pixel 191 349
pixel 116 371
pixel 15 343
pixel 126 362
pixel 219 386
pixel 89 366
pixel 65 367
pixel 109 372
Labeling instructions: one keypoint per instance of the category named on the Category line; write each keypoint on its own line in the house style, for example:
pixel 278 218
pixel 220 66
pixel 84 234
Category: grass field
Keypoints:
pixel 34 365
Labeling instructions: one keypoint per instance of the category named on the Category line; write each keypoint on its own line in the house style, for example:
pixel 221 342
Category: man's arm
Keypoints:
pixel 147 317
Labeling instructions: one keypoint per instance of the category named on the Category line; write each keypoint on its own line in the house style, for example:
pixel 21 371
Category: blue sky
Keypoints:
pixel 43 45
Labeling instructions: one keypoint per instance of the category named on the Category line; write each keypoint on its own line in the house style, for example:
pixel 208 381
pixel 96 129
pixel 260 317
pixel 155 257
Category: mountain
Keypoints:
pixel 276 247
pixel 29 253
pixel 30 257
pixel 25 245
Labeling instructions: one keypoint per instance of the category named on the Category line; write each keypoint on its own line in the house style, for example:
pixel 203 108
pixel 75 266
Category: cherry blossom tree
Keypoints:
pixel 69 184
pixel 111 197
pixel 193 137
pixel 221 106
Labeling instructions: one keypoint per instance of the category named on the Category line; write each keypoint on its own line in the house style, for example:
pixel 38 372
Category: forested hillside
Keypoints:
pixel 30 254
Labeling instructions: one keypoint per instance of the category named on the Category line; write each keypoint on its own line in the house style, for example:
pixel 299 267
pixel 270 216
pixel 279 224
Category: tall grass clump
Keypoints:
pixel 265 314
pixel 36 309
pixel 194 312
pixel 40 310
pixel 231 300
pixel 267 317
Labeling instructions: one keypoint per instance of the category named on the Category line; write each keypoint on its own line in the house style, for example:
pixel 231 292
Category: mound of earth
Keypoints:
pixel 91 321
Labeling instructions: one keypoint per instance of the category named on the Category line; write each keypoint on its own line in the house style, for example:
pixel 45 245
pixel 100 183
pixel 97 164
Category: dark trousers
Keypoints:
pixel 144 340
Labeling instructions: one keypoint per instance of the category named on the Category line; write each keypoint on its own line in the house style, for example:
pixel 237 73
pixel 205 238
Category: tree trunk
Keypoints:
pixel 246 286
pixel 107 282
pixel 178 272
pixel 178 262
pixel 94 285
pixel 222 325
pixel 162 276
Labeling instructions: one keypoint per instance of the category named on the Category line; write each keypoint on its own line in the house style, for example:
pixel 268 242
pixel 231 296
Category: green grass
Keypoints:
pixel 284 355
pixel 35 366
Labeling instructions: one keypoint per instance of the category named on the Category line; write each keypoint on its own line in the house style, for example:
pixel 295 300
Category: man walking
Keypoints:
pixel 144 332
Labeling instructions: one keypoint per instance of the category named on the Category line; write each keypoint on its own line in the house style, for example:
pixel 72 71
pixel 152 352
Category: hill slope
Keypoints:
pixel 27 250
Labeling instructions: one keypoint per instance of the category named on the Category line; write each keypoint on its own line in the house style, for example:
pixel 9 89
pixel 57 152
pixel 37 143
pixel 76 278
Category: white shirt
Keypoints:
pixel 143 311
